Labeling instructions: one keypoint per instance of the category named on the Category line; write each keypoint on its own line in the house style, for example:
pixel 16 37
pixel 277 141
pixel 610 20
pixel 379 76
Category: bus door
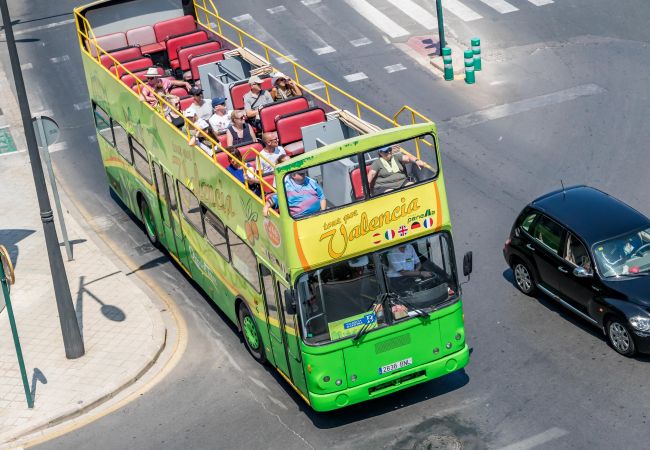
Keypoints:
pixel 177 242
pixel 167 234
pixel 292 340
pixel 274 321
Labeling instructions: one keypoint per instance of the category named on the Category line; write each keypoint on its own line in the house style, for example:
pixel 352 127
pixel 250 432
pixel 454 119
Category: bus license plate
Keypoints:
pixel 396 365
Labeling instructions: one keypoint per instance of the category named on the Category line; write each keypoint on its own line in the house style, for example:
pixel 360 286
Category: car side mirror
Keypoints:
pixel 290 302
pixel 467 264
pixel 581 272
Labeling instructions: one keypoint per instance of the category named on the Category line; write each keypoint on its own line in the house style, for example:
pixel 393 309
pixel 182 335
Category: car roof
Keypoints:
pixel 592 214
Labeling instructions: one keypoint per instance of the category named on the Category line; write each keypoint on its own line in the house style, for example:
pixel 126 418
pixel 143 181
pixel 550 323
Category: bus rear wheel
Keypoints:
pixel 252 337
pixel 147 219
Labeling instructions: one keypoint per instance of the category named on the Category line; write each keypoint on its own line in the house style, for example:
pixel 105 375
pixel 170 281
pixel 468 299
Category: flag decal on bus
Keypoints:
pixel 376 238
pixel 428 222
pixel 415 225
pixel 403 230
pixel 389 235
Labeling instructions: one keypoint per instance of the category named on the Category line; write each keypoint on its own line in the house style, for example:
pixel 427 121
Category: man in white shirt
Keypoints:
pixel 220 119
pixel 256 98
pixel 403 266
pixel 271 151
pixel 199 106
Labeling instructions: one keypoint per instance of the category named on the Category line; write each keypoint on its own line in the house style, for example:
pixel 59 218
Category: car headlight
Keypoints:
pixel 640 323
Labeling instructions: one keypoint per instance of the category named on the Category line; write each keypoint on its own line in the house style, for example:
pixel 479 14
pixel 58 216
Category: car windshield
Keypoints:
pixel 627 255
pixel 376 289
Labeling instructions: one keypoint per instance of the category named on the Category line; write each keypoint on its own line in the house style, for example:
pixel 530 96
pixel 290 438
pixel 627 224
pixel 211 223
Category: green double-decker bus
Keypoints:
pixel 346 282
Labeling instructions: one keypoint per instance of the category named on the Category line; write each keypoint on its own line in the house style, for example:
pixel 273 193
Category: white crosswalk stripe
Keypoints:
pixel 500 6
pixel 463 12
pixel 541 2
pixel 417 13
pixel 377 18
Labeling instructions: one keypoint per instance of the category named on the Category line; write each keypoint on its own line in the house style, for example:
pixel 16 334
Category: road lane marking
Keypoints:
pixel 324 50
pixel 278 402
pixel 377 18
pixel 541 2
pixel 309 2
pixel 81 106
pixel 57 147
pixel 394 68
pixel 26 66
pixel 461 11
pixel 538 439
pixel 314 86
pixel 252 27
pixel 417 13
pixel 358 76
pixel 510 109
pixel 319 46
pixel 360 42
pixel 59 59
pixel 92 138
pixel 259 383
pixel 500 6
pixel 39 28
pixel 276 9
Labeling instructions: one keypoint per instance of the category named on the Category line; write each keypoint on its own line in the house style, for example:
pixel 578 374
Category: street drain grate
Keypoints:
pixel 144 249
pixel 439 442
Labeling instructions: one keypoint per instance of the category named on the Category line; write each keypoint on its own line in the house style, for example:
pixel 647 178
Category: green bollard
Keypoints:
pixel 469 67
pixel 476 49
pixel 446 59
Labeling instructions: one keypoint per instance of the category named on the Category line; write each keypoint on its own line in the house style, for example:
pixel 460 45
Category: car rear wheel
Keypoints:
pixel 523 277
pixel 620 337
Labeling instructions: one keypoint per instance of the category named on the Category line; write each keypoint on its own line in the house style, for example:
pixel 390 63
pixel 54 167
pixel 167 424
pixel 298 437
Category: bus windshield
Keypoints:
pixel 359 177
pixel 338 300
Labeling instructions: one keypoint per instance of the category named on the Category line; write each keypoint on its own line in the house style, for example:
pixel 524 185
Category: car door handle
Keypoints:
pixel 530 247
pixel 562 269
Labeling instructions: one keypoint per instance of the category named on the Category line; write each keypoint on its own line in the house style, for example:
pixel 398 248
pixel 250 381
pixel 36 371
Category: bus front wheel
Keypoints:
pixel 252 337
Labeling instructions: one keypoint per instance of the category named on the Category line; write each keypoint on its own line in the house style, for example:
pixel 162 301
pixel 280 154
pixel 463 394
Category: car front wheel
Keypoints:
pixel 523 277
pixel 620 337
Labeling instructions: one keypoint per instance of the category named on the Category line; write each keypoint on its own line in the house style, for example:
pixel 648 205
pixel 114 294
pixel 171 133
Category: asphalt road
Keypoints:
pixel 563 96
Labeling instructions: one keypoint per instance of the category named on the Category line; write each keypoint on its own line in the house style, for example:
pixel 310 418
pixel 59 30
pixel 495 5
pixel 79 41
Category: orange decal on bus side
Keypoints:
pixel 438 207
pixel 301 254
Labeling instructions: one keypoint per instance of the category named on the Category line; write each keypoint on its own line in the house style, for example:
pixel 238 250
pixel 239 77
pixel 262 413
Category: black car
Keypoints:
pixel 590 252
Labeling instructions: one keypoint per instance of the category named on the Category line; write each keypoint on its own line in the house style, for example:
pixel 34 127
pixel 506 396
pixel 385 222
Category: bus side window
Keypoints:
pixel 243 259
pixel 140 159
pixel 103 125
pixel 190 207
pixel 216 232
pixel 170 190
pixel 122 142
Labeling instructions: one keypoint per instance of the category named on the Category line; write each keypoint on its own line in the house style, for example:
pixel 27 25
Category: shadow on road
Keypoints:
pixel 10 239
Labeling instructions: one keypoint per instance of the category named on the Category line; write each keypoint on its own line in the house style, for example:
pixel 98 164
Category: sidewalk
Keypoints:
pixel 123 332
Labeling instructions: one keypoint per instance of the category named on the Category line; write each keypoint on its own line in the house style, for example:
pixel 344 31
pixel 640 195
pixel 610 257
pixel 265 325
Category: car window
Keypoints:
pixel 527 221
pixel 576 253
pixel 548 233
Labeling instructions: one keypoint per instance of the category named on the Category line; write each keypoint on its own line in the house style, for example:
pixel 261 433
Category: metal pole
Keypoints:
pixel 14 332
pixel 441 26
pixel 74 347
pixel 55 190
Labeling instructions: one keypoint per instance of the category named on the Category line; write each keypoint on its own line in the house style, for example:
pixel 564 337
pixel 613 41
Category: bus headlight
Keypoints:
pixel 640 323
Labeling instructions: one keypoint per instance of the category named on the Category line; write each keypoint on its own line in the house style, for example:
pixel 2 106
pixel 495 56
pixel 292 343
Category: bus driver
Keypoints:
pixel 404 267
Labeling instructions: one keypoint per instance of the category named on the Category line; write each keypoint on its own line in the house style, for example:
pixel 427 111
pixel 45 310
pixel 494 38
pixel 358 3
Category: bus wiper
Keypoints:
pixel 380 300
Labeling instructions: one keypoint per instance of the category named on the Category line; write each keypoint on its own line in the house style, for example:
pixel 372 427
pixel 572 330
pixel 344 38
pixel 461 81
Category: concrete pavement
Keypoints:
pixel 123 331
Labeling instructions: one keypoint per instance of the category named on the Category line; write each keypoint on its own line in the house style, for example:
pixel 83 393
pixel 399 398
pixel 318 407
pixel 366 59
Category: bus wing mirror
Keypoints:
pixel 290 302
pixel 467 264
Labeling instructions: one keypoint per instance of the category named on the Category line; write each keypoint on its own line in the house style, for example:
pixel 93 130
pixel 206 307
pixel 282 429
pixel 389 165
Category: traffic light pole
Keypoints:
pixel 441 27
pixel 74 347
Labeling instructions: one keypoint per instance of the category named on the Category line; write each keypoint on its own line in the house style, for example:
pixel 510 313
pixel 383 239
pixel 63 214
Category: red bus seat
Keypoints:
pixel 268 113
pixel 185 52
pixel 357 185
pixel 145 38
pixel 269 179
pixel 222 159
pixel 174 43
pixel 186 101
pixel 179 91
pixel 222 140
pixel 121 55
pixel 241 88
pixel 107 42
pixel 247 151
pixel 289 128
pixel 129 79
pixel 205 58
pixel 170 27
pixel 134 65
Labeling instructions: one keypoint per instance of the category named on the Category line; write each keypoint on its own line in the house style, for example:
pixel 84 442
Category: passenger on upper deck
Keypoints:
pixel 256 98
pixel 284 88
pixel 388 171
pixel 155 83
pixel 304 196
pixel 171 114
pixel 236 170
pixel 199 138
pixel 239 132
pixel 202 108
pixel 220 119
pixel 271 151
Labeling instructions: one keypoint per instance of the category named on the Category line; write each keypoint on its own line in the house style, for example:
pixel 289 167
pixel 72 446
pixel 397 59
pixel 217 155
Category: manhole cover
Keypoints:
pixel 438 442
